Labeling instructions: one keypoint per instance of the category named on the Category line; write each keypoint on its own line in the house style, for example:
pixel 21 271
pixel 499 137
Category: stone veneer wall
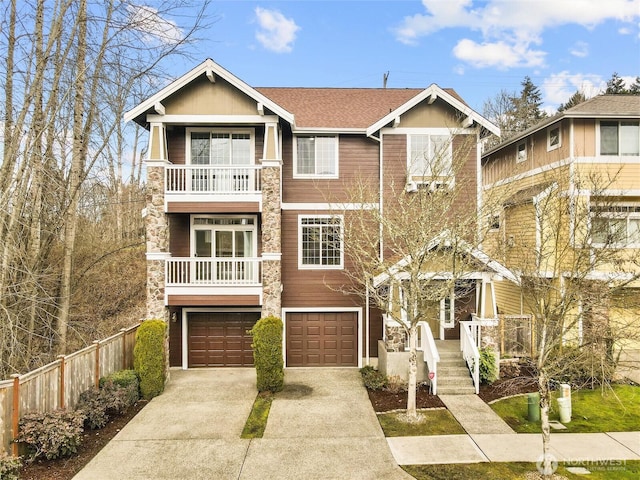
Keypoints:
pixel 157 228
pixel 271 241
pixel 395 338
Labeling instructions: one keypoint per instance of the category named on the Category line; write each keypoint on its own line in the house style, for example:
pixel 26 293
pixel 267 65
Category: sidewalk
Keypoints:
pixel 490 439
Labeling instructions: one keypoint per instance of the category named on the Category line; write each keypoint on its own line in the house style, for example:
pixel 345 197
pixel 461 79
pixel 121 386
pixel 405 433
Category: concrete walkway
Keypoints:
pixel 322 426
pixel 490 439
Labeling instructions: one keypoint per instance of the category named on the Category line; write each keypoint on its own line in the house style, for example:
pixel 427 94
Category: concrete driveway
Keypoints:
pixel 321 426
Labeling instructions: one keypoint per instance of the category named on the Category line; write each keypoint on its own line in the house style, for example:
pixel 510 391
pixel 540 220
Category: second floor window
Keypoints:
pixel 221 148
pixel 619 138
pixel 316 156
pixel 430 156
pixel 320 242
pixel 615 225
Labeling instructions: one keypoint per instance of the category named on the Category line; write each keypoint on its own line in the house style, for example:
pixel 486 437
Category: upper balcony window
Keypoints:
pixel 220 147
pixel 430 156
pixel 316 157
pixel 619 138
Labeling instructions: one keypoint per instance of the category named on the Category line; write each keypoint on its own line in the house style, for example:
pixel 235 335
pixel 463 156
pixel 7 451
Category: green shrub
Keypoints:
pixel 488 366
pixel 149 357
pixel 9 466
pixel 51 434
pixel 372 378
pixel 93 405
pixel 122 389
pixel 267 354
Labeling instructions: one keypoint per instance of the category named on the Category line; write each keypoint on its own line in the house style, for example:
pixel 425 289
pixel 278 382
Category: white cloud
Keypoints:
pixel 558 87
pixel 154 27
pixel 511 26
pixel 277 32
pixel 498 54
pixel 579 49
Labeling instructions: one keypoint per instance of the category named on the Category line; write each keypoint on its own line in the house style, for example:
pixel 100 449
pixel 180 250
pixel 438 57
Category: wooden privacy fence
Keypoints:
pixel 60 383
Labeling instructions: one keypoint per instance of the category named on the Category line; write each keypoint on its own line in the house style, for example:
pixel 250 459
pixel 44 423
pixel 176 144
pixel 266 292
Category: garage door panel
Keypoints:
pixel 321 339
pixel 220 339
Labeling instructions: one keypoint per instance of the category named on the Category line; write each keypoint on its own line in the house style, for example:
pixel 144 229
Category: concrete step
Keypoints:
pixel 452 370
pixel 455 390
pixel 457 381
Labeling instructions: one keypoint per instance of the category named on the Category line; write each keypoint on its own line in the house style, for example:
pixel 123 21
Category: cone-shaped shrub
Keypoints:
pixel 267 354
pixel 149 357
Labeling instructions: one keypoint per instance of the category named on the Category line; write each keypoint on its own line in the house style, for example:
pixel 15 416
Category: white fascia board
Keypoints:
pixel 212 119
pixel 208 66
pixel 434 89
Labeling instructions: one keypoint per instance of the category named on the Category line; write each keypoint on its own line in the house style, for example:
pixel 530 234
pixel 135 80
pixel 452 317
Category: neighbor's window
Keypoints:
pixel 430 155
pixel 521 152
pixel 554 139
pixel 616 225
pixel 619 138
pixel 320 242
pixel 316 156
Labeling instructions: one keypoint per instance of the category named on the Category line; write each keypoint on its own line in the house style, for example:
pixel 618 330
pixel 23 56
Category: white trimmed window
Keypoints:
pixel 554 137
pixel 521 152
pixel 616 225
pixel 315 156
pixel 220 147
pixel 619 137
pixel 320 242
pixel 429 155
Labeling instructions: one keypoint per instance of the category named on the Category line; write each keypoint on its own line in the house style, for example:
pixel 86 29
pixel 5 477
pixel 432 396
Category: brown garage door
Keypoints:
pixel 322 339
pixel 220 339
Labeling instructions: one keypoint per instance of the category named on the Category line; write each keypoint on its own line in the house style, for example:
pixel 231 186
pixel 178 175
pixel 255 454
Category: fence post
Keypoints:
pixel 61 386
pixel 97 365
pixel 124 348
pixel 15 418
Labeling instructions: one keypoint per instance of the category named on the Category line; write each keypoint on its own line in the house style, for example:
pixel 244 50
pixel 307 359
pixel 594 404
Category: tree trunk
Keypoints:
pixel 413 373
pixel 545 400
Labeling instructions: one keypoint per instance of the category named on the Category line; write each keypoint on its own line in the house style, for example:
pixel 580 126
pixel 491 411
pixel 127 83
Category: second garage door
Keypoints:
pixel 322 339
pixel 220 339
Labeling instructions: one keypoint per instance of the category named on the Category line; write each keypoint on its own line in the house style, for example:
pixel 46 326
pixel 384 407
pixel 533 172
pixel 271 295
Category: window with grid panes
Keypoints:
pixel 320 242
pixel 316 156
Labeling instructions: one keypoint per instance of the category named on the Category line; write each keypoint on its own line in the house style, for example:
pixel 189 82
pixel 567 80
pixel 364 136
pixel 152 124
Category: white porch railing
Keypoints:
pixel 209 179
pixel 213 271
pixel 427 344
pixel 470 352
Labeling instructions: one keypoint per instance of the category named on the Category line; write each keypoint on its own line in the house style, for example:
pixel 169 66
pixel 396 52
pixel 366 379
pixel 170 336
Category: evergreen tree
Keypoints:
pixel 635 87
pixel 576 99
pixel 615 85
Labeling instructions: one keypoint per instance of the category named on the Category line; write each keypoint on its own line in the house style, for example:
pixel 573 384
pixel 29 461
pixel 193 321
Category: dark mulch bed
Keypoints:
pixel 92 443
pixel 385 400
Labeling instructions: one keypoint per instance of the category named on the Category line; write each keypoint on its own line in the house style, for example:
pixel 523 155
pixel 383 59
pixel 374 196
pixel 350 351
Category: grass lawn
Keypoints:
pixel 592 411
pixel 434 422
pixel 257 421
pixel 629 470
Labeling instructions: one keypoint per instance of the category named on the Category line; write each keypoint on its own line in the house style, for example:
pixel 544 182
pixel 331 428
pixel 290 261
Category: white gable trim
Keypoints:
pixel 431 93
pixel 211 69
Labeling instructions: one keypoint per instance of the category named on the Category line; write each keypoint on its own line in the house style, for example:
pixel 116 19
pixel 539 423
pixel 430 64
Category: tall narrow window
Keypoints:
pixel 554 139
pixel 521 152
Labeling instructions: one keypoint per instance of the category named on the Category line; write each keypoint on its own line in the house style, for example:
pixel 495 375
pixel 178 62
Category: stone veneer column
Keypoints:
pixel 157 228
pixel 271 239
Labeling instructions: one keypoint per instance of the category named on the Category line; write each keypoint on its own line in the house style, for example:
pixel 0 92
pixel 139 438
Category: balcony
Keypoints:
pixel 209 278
pixel 195 184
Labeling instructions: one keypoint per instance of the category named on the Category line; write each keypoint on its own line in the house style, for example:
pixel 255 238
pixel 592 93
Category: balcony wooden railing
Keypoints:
pixel 210 179
pixel 200 271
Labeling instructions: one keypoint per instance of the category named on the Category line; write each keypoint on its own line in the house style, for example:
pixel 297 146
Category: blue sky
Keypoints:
pixel 476 47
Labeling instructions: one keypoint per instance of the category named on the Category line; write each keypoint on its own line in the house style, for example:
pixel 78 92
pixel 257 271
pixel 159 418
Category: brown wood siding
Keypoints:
pixel 358 157
pixel 376 329
pixel 584 137
pixel 213 207
pixel 307 288
pixel 175 338
pixel 176 147
pixel 214 300
pixel 179 236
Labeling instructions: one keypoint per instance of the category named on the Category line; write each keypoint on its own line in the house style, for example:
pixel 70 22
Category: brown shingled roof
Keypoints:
pixel 610 105
pixel 340 107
